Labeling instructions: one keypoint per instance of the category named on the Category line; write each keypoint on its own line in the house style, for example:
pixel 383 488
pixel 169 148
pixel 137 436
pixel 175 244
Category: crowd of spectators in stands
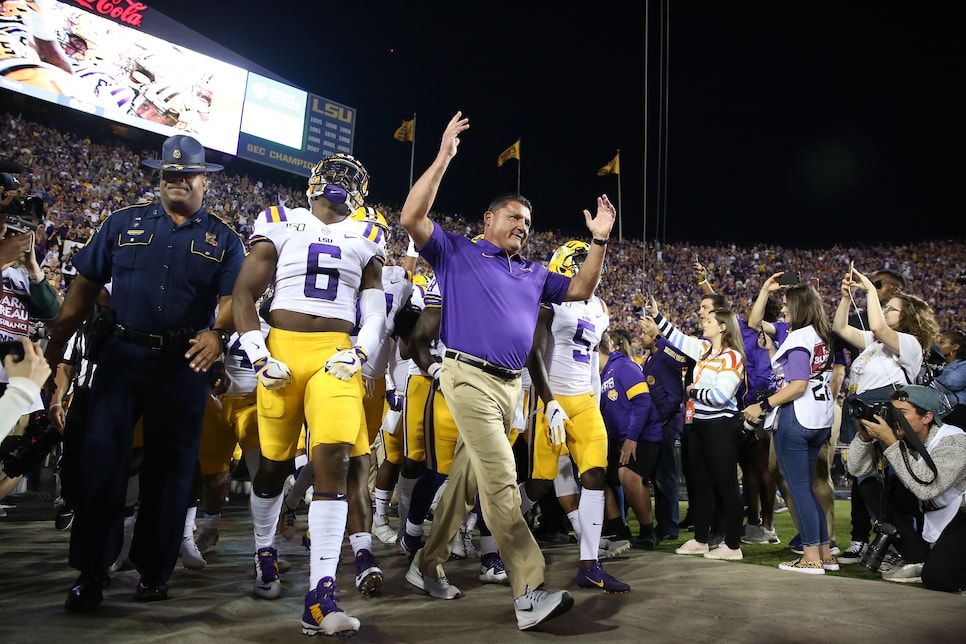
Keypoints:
pixel 81 181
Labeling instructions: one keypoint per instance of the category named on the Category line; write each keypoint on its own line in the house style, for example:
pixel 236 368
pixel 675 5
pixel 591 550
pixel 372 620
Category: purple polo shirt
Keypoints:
pixel 490 300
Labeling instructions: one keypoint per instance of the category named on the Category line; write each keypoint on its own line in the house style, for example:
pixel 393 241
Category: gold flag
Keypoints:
pixel 405 131
pixel 512 152
pixel 614 167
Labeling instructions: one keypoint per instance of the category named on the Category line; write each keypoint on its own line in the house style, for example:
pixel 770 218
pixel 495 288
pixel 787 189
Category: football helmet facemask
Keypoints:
pixel 568 258
pixel 375 227
pixel 341 179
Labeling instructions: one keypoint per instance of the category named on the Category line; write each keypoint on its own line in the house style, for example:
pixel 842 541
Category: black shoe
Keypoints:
pixel 64 519
pixel 616 530
pixel 553 536
pixel 647 540
pixel 151 589
pixel 87 592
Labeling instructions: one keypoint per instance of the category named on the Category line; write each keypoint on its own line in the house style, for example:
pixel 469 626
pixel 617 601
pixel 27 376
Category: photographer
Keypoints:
pixel 929 477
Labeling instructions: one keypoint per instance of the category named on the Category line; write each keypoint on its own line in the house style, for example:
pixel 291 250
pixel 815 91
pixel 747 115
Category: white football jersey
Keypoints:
pixel 575 332
pixel 320 266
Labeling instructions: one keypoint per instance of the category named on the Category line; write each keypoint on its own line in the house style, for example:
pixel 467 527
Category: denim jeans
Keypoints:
pixel 796 449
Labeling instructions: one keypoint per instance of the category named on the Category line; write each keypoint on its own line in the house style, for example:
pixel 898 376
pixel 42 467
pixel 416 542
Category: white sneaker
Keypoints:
pixel 693 547
pixel 539 605
pixel 439 588
pixel 906 574
pixel 610 548
pixel 190 555
pixel 384 533
pixel 724 553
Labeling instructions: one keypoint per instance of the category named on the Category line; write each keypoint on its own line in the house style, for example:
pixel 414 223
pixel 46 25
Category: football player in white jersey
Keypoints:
pixel 309 371
pixel 563 365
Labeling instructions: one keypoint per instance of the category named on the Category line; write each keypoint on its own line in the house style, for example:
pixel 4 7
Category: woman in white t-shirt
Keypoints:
pixel 892 349
pixel 805 409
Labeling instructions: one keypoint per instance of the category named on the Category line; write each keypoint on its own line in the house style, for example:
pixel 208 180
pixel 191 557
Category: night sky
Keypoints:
pixel 786 122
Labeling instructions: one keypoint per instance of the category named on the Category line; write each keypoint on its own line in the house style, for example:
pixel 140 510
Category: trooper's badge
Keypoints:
pixel 211 239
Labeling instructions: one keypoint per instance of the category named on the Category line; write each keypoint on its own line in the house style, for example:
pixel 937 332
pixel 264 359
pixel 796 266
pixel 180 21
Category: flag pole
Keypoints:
pixel 620 216
pixel 519 161
pixel 412 153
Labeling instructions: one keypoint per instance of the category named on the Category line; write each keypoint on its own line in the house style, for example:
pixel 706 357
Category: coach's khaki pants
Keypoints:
pixel 482 406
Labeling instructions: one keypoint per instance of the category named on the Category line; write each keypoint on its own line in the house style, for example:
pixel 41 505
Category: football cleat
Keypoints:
pixel 369 577
pixel 207 540
pixel 612 547
pixel 492 570
pixel 190 555
pixel 384 533
pixel 323 615
pixel 267 584
pixel 286 523
pixel 597 577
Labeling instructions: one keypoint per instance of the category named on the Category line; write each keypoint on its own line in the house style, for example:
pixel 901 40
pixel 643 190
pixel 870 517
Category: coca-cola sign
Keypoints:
pixel 126 11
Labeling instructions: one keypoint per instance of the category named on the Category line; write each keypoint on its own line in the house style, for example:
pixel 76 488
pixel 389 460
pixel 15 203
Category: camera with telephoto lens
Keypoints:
pixel 20 454
pixel 24 212
pixel 885 535
pixel 757 426
pixel 861 410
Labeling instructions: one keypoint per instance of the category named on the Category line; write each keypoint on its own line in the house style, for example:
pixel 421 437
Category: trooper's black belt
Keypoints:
pixel 483 365
pixel 167 341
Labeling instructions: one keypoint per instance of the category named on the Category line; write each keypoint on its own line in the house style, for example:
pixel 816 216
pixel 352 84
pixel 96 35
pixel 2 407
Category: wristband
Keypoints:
pixel 704 281
pixel 765 405
pixel 253 343
pixel 599 242
pixel 411 250
pixel 56 405
pixel 434 369
pixel 36 278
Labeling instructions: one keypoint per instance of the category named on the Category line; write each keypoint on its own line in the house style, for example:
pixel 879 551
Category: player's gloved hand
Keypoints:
pixel 434 371
pixel 272 374
pixel 218 379
pixel 395 400
pixel 391 422
pixel 557 423
pixel 346 363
